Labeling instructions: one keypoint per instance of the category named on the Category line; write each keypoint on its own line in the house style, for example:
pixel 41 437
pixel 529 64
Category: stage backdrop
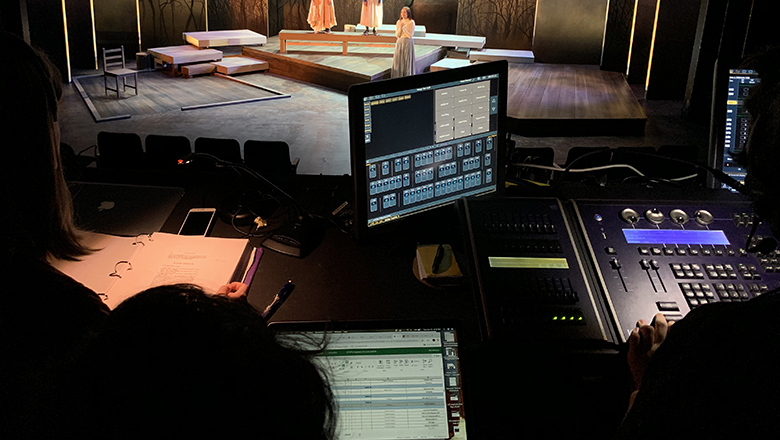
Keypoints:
pixel 163 21
pixel 505 24
pixel 239 14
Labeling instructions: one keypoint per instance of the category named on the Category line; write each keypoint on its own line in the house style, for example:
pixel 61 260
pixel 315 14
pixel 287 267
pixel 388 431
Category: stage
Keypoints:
pixel 327 66
pixel 543 99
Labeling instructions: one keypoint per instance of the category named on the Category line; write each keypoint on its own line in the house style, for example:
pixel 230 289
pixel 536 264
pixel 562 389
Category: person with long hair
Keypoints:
pixel 403 58
pixel 178 362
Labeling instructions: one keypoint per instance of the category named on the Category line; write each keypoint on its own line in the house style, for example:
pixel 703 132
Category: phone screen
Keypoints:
pixel 196 223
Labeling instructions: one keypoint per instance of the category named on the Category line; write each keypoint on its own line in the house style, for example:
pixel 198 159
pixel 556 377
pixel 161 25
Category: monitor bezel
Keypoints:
pixel 356 94
pixel 716 150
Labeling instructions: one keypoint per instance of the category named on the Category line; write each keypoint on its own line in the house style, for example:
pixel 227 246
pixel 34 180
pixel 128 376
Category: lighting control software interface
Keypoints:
pixel 429 146
pixel 395 384
pixel 737 121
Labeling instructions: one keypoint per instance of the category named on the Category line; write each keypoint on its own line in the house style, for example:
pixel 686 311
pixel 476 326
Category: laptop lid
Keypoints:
pixel 390 380
pixel 119 209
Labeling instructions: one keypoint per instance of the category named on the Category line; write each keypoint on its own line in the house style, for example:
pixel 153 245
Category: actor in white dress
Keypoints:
pixel 403 58
pixel 322 16
pixel 371 15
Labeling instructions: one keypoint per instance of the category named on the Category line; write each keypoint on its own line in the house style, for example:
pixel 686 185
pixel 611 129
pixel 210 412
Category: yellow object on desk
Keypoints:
pixel 447 272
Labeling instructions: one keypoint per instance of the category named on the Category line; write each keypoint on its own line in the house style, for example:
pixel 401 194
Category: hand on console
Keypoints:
pixel 642 344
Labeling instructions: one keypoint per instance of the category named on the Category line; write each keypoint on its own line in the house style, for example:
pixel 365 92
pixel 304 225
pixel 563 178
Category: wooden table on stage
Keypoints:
pixel 310 38
pixel 240 37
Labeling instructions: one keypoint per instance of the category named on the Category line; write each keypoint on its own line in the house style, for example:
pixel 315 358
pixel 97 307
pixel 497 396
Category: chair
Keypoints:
pixel 270 158
pixel 119 150
pixel 225 149
pixel 114 67
pixel 163 152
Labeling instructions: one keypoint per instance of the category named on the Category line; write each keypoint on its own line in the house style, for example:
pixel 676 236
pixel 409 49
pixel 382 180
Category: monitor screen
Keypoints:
pixel 426 140
pixel 390 383
pixel 735 123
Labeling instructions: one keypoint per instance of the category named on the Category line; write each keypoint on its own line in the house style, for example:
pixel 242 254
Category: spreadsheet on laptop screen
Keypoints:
pixel 396 383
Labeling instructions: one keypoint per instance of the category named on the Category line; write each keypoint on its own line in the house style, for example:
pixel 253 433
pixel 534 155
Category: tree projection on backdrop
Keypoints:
pixel 239 14
pixel 163 21
pixel 505 24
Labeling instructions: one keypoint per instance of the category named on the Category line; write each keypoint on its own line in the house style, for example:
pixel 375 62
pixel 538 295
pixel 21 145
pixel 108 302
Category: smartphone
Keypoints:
pixel 198 221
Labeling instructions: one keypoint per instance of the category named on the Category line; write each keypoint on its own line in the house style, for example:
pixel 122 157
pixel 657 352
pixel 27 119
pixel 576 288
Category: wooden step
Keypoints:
pixel 512 56
pixel 240 64
pixel 190 70
pixel 449 63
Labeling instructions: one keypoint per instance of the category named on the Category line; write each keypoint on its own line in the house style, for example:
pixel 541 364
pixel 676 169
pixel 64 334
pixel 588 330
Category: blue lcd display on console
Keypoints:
pixel 674 236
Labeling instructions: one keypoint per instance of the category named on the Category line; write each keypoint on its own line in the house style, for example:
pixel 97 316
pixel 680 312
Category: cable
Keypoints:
pixel 580 170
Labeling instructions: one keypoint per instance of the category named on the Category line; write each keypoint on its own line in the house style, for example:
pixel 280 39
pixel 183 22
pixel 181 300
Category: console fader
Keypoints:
pixel 530 277
pixel 673 257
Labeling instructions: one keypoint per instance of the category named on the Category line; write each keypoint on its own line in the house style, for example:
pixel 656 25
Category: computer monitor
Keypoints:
pixel 731 120
pixel 426 140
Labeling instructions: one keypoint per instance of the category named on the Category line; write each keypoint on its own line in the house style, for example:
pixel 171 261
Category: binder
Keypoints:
pixel 124 266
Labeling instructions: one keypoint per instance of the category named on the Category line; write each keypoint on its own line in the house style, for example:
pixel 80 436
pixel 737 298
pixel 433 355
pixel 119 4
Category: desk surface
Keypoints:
pixel 344 280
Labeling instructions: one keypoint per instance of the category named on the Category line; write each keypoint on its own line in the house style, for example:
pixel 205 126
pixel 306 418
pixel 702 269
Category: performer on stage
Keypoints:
pixel 322 16
pixel 371 15
pixel 403 58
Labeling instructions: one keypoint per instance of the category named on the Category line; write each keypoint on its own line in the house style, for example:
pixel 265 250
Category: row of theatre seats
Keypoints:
pixel 162 152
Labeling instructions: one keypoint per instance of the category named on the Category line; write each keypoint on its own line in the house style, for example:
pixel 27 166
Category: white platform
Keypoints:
pixel 242 37
pixel 512 56
pixel 449 63
pixel 184 54
pixel 233 65
pixel 449 40
pixel 385 29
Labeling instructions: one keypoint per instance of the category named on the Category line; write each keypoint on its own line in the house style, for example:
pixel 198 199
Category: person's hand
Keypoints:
pixel 234 290
pixel 642 344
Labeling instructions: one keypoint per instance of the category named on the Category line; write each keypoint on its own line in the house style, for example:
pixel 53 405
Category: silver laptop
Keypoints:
pixel 119 209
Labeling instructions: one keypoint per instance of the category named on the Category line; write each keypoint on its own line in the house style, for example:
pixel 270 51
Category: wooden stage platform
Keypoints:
pixel 571 100
pixel 326 66
pixel 543 99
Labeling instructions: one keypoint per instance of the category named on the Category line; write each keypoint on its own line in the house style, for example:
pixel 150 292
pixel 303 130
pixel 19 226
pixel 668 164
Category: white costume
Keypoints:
pixel 371 14
pixel 403 58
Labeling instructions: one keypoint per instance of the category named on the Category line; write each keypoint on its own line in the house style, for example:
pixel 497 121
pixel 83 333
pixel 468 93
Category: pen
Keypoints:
pixel 437 259
pixel 278 300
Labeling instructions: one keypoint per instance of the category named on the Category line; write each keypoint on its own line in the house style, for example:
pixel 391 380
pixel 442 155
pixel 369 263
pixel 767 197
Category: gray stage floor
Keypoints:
pixel 314 122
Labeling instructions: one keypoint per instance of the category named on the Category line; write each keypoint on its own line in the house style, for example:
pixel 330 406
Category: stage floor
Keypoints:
pixel 326 66
pixel 571 100
pixel 543 99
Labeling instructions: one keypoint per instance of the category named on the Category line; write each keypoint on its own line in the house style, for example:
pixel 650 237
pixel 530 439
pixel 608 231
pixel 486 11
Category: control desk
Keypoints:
pixel 671 257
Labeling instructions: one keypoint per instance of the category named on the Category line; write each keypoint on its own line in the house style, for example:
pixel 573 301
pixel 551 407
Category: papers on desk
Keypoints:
pixel 124 266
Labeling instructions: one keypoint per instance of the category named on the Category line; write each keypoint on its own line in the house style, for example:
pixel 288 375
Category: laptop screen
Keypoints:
pixel 400 383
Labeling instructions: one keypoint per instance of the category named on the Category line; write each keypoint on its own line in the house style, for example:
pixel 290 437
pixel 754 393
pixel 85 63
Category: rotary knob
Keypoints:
pixel 703 217
pixel 654 216
pixel 678 216
pixel 629 216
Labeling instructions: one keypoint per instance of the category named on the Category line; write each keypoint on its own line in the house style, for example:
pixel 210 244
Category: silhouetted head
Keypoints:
pixel 174 360
pixel 37 218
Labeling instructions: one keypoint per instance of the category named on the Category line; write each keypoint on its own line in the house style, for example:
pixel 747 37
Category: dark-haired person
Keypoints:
pixel 175 361
pixel 403 57
pixel 714 374
pixel 45 317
